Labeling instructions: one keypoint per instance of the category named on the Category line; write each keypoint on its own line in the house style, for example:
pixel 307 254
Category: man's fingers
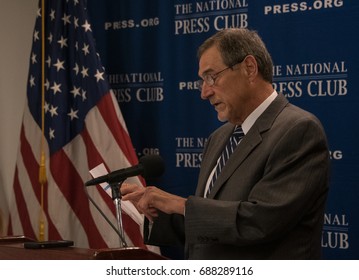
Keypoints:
pixel 131 196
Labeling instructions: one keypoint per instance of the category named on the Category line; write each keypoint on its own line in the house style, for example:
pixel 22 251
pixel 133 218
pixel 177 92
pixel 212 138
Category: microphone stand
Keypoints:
pixel 116 197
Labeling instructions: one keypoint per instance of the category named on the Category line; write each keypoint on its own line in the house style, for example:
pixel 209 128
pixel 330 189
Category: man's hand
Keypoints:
pixel 150 199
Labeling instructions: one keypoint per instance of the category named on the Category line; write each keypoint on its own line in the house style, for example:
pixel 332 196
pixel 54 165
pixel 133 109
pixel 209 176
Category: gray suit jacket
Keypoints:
pixel 269 200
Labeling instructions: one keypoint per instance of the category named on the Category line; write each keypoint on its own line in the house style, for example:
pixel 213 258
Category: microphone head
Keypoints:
pixel 153 166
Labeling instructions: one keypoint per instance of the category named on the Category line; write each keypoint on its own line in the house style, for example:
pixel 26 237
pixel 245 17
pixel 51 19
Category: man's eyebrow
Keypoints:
pixel 206 72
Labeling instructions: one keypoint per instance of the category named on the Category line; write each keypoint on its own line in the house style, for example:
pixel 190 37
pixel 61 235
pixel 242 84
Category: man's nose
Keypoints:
pixel 206 91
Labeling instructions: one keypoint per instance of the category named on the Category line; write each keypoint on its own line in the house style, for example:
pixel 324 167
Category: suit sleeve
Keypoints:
pixel 167 230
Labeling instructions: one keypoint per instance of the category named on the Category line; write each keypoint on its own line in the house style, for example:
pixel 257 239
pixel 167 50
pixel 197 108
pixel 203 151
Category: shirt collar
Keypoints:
pixel 251 119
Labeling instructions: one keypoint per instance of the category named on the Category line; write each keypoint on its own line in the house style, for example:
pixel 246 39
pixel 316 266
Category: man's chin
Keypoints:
pixel 221 118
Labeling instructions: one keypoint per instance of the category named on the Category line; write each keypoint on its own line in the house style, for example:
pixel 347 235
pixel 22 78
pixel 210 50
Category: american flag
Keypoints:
pixel 83 127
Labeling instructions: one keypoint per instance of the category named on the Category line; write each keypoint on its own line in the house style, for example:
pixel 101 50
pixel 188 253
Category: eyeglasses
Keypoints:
pixel 210 79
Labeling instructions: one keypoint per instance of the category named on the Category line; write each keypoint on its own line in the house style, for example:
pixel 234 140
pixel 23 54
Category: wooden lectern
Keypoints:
pixel 12 248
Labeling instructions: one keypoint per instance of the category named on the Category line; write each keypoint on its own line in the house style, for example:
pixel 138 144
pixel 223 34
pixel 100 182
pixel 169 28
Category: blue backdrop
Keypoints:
pixel 149 51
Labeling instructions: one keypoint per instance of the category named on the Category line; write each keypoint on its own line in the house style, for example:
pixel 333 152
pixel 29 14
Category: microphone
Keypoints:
pixel 150 166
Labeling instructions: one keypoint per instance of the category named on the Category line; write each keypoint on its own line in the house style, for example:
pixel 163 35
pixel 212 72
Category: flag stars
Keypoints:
pixel 86 49
pixel 86 26
pixel 73 114
pixel 47 84
pixel 76 22
pixel 76 91
pixel 53 111
pixel 50 38
pixel 51 133
pixel 52 15
pixel 48 61
pixel 62 42
pixel 33 58
pixel 72 69
pixel 59 65
pixel 99 75
pixel 84 72
pixel 36 36
pixel 66 19
pixel 46 107
pixel 32 81
pixel 56 88
pixel 84 95
pixel 76 69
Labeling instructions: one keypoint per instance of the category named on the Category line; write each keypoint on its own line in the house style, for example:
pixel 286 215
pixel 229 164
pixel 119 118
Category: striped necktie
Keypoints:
pixel 232 143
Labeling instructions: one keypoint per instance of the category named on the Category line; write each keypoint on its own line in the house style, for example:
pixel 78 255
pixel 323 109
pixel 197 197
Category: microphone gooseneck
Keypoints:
pixel 150 166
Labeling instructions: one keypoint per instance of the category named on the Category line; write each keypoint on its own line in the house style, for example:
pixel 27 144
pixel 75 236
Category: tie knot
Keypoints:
pixel 237 134
pixel 238 130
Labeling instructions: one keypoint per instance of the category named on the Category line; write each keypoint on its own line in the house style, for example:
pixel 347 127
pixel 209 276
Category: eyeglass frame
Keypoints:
pixel 213 77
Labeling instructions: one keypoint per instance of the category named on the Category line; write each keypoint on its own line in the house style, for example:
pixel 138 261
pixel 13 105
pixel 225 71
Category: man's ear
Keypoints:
pixel 251 66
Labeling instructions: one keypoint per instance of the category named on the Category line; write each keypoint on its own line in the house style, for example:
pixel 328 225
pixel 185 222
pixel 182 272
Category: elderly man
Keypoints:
pixel 263 182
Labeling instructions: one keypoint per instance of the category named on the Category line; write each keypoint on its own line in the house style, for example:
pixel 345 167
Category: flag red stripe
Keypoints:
pixel 108 112
pixel 9 228
pixel 32 168
pixel 76 197
pixel 131 228
pixel 30 163
pixel 21 208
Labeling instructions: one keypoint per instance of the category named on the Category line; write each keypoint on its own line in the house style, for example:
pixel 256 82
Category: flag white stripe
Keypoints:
pixel 79 160
pixel 118 111
pixel 108 147
pixel 58 201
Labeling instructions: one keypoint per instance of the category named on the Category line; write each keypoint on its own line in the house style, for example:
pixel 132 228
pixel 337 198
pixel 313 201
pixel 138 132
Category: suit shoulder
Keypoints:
pixel 297 114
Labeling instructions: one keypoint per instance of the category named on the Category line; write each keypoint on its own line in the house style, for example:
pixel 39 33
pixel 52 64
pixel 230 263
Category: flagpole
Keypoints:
pixel 42 168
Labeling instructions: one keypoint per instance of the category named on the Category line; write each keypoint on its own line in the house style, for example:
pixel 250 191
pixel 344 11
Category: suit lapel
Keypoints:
pixel 249 142
pixel 247 145
pixel 211 157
